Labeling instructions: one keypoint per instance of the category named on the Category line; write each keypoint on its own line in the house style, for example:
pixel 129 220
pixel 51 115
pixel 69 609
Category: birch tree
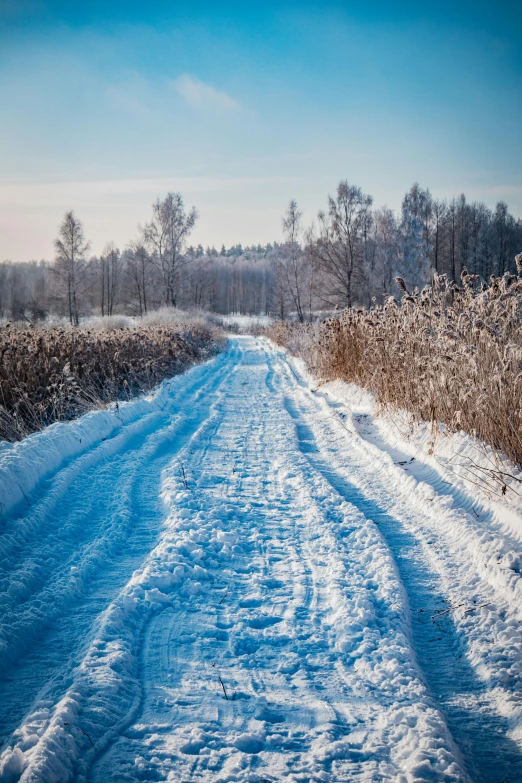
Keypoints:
pixel 166 235
pixel 71 247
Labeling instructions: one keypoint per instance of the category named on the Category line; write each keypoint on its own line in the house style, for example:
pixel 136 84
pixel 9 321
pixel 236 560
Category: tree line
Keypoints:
pixel 349 256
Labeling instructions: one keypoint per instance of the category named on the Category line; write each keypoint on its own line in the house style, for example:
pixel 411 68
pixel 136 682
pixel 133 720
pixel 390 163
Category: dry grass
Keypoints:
pixel 48 375
pixel 450 354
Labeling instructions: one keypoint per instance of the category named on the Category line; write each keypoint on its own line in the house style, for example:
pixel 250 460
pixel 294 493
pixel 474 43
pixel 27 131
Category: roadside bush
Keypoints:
pixel 48 375
pixel 450 354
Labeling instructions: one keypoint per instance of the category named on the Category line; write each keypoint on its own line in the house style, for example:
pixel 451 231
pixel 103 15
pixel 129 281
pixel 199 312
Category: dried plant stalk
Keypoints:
pixel 48 375
pixel 449 354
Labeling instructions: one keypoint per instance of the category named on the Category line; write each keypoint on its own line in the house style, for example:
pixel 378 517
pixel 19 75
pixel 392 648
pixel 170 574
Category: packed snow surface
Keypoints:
pixel 240 579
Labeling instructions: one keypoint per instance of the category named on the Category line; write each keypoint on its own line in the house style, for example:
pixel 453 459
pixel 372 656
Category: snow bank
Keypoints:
pixel 469 537
pixel 247 322
pixel 477 474
pixel 25 464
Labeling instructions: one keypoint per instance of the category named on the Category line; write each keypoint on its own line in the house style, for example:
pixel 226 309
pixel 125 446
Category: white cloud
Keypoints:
pixel 201 95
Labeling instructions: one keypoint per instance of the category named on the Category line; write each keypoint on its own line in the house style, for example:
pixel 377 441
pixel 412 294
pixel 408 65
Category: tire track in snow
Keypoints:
pixel 55 648
pixel 301 712
pixel 264 569
pixel 465 700
pixel 202 436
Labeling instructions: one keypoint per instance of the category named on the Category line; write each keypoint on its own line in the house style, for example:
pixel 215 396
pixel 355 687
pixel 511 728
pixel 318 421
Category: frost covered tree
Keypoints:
pixel 340 246
pixel 439 212
pixel 414 245
pixel 386 251
pixel 351 257
pixel 166 235
pixel 70 266
pixel 138 266
pixel 504 229
pixel 110 273
pixel 293 262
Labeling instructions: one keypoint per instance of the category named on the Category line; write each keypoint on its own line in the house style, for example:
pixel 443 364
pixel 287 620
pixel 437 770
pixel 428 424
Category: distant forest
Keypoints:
pixel 350 256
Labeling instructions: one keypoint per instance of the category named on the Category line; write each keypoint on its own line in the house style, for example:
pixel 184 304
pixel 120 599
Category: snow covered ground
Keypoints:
pixel 243 579
pixel 246 322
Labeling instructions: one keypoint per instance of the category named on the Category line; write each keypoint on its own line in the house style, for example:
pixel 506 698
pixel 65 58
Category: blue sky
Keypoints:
pixel 241 107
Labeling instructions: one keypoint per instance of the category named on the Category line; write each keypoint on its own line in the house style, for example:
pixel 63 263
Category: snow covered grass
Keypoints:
pixel 48 375
pixel 450 355
pixel 472 472
pixel 247 324
pixel 173 315
pixel 161 317
pixel 108 322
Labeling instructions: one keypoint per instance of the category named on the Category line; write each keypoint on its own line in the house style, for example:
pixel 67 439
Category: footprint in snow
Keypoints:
pixel 263 621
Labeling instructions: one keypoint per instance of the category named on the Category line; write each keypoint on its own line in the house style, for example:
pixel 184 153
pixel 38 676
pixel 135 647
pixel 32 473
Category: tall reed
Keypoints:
pixel 450 353
pixel 47 375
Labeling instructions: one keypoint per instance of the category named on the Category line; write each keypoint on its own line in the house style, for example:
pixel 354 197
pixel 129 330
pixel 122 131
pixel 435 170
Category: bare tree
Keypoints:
pixel 110 268
pixel 387 251
pixel 155 236
pixel 294 262
pixel 339 248
pixel 71 248
pixel 167 234
pixel 414 234
pixel 503 225
pixel 138 271
pixel 279 288
pixel 440 210
pixel 314 277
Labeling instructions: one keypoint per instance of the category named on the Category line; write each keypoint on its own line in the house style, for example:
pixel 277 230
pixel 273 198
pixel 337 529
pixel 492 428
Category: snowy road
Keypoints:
pixel 239 585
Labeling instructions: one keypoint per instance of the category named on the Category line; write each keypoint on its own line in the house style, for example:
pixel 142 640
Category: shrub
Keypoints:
pixel 47 375
pixel 450 354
